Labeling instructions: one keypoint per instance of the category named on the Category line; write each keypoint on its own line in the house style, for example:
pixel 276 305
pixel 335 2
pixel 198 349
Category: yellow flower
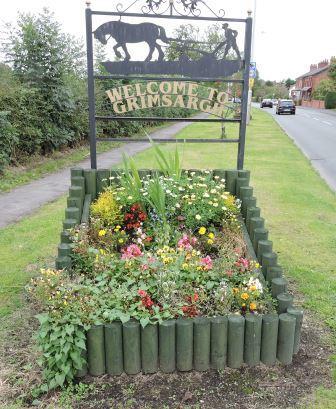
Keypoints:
pixel 253 306
pixel 121 241
pixel 253 288
pixel 65 303
pixel 202 231
pixel 185 266
pixel 211 236
pixel 235 290
pixel 210 241
pixel 257 265
pixel 103 252
pixel 101 233
pixel 244 296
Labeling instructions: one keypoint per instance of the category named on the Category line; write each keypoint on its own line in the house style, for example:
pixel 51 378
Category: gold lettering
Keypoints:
pixel 132 104
pixel 192 103
pixel 179 87
pixel 167 101
pixel 114 94
pixel 192 89
pixel 128 91
pixel 153 100
pixel 143 102
pixel 212 93
pixel 222 97
pixel 138 90
pixel 165 87
pixel 179 102
pixel 119 107
pixel 203 107
pixel 150 88
pixel 218 109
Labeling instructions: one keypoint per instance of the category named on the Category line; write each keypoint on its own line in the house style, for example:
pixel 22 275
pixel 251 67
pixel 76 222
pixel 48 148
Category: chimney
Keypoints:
pixel 323 64
pixel 313 67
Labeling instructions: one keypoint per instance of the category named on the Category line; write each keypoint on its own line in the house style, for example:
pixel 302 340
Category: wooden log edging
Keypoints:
pixel 190 344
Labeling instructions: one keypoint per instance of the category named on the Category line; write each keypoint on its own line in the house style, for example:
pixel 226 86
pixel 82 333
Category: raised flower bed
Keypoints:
pixel 163 272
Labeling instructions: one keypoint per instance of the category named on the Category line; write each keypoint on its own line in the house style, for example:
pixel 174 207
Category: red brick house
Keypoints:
pixel 306 84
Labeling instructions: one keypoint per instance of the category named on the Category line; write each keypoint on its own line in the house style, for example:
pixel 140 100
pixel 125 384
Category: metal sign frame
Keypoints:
pixel 191 12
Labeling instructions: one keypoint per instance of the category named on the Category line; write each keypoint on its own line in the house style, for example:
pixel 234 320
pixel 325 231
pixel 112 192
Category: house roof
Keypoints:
pixel 314 72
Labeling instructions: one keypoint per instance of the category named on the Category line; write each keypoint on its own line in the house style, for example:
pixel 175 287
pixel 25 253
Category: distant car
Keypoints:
pixel 266 103
pixel 236 100
pixel 275 101
pixel 285 106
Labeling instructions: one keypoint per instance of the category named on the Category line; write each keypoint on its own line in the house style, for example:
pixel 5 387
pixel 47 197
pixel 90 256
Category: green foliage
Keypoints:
pixel 62 343
pixel 106 209
pixel 289 82
pixel 323 88
pixel 130 178
pixel 330 100
pixel 8 139
pixel 169 164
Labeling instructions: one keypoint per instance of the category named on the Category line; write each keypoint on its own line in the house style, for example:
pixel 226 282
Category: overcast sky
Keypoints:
pixel 290 34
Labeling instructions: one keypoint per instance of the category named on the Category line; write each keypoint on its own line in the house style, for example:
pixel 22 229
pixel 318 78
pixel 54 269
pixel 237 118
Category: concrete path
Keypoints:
pixel 25 199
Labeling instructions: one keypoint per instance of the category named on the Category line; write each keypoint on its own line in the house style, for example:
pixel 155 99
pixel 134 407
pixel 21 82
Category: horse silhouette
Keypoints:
pixel 124 33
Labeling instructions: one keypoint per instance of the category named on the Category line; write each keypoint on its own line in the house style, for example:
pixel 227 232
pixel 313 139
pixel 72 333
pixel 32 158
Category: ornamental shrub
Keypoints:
pixel 8 139
pixel 106 209
pixel 330 100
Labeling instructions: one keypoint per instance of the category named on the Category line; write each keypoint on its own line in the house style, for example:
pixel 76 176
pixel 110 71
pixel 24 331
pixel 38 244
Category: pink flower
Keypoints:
pixel 186 243
pixel 132 251
pixel 206 263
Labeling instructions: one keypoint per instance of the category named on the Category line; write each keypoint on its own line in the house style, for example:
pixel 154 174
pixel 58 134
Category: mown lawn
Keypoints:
pixel 299 208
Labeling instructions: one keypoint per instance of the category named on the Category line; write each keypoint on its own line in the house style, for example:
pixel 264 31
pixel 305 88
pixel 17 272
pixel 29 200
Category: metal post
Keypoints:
pixel 91 90
pixel 247 58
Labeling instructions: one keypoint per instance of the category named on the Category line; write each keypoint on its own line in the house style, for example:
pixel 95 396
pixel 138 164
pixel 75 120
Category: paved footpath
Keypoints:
pixel 26 199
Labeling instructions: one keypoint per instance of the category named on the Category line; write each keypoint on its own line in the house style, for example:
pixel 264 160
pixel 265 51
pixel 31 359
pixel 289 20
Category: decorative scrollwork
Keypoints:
pixel 173 7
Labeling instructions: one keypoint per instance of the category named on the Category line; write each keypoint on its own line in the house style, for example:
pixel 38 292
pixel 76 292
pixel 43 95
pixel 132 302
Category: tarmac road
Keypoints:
pixel 314 132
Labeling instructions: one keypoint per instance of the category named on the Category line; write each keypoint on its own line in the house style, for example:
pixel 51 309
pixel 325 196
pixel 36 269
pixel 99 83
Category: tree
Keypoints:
pixel 323 88
pixel 289 82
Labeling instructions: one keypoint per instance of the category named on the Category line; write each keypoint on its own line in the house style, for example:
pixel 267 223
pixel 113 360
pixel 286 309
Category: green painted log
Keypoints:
pixel 144 173
pixel 114 348
pixel 245 192
pixel 269 339
pixel 260 234
pixel 273 272
pixel 298 314
pixel 240 182
pixel 76 172
pixel 286 336
pixel 78 181
pixel 103 180
pixel 63 263
pixel 255 223
pixel 69 224
pixel 65 237
pixel 74 202
pixel 243 173
pixel 201 344
pixel 218 347
pixel 285 300
pixel 278 286
pixel 264 246
pixel 73 213
pixel 77 192
pixel 149 348
pixel 251 212
pixel 268 260
pixel 115 176
pixel 184 344
pixel 64 250
pixel 86 209
pixel 131 347
pixel 246 203
pixel 235 351
pixel 167 348
pixel 90 176
pixel 84 370
pixel 219 174
pixel 252 344
pixel 96 350
pixel 230 180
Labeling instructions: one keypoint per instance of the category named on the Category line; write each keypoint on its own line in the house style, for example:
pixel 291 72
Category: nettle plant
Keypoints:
pixel 166 246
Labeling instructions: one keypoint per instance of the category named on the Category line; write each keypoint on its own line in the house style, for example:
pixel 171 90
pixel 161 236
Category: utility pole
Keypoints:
pixel 249 107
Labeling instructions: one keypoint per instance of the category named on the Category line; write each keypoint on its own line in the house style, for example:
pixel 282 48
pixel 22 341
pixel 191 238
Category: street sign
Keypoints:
pixel 253 70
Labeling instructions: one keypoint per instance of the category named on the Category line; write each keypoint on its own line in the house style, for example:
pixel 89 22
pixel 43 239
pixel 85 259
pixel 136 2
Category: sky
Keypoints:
pixel 289 34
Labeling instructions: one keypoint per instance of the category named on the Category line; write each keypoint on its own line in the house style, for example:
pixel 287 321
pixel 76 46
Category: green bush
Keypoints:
pixel 8 139
pixel 330 100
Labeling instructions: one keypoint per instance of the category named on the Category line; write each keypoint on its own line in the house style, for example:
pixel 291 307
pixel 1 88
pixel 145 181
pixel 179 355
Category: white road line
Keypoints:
pixel 316 119
pixel 327 123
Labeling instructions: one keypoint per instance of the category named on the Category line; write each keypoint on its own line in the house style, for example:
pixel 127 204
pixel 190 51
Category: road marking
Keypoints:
pixel 327 123
pixel 316 119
